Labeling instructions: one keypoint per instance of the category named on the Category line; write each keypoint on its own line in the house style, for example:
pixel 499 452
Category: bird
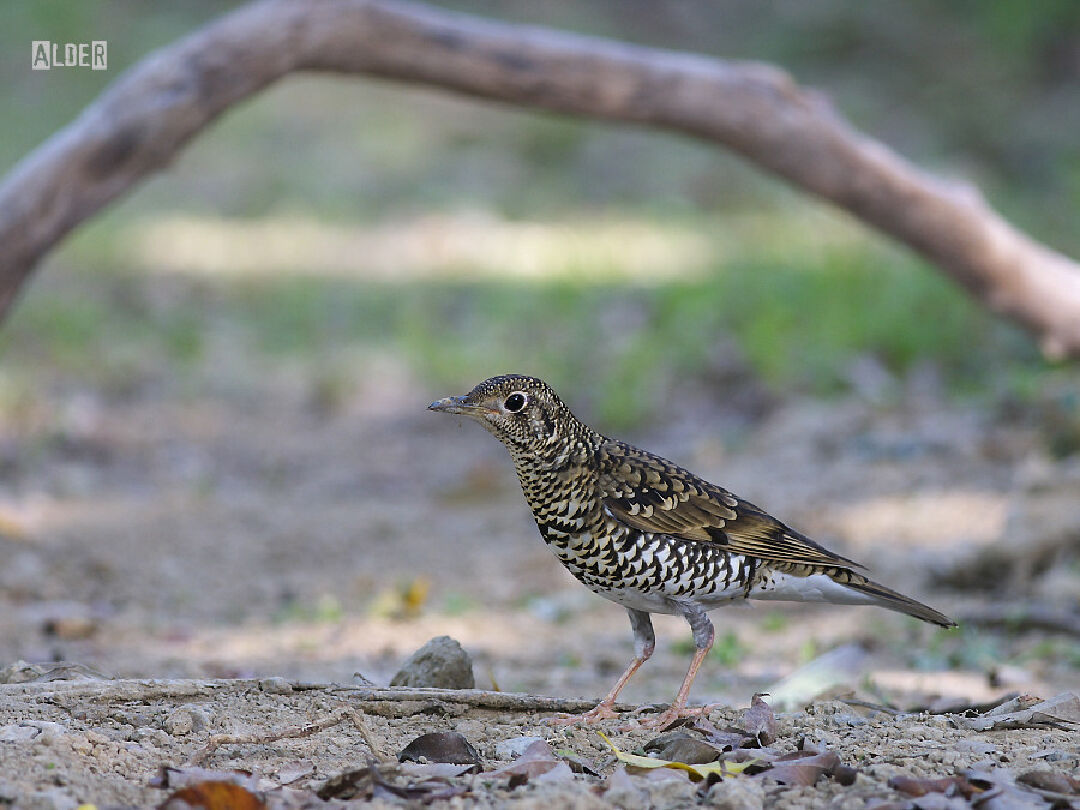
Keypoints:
pixel 654 537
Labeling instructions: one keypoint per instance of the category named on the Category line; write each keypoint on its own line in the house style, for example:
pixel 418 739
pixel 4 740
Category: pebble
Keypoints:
pixel 623 791
pixel 51 799
pixel 736 794
pixel 50 732
pixel 671 792
pixel 18 733
pixel 276 686
pixel 442 663
pixel 185 720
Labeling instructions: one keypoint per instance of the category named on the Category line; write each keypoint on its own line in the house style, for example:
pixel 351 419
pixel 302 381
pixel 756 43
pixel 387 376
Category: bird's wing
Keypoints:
pixel 652 494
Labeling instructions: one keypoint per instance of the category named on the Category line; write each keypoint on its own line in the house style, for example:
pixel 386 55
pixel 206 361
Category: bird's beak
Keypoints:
pixel 453 405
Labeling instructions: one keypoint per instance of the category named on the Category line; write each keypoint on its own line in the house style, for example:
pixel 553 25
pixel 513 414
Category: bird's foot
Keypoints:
pixel 673 714
pixel 602 711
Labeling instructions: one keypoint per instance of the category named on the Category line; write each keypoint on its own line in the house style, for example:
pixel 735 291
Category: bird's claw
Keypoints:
pixel 673 714
pixel 602 711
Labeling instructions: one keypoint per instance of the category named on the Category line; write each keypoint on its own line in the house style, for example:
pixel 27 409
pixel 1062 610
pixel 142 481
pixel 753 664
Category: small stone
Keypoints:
pixel 51 799
pixel 21 672
pixel 442 663
pixel 674 790
pixel 623 791
pixel 151 737
pixel 185 720
pixel 82 745
pixel 275 686
pixel 736 794
pixel 18 734
pixel 50 732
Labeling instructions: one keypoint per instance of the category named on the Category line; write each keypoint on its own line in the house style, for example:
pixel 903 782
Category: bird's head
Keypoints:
pixel 524 413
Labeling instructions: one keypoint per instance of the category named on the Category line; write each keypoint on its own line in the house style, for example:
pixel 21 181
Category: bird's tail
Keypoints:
pixel 890 599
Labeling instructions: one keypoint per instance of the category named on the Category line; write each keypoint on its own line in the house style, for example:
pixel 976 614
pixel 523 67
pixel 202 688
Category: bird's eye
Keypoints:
pixel 515 402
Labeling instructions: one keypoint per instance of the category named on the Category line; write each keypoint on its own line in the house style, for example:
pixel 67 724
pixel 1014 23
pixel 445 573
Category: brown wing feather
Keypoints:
pixel 653 495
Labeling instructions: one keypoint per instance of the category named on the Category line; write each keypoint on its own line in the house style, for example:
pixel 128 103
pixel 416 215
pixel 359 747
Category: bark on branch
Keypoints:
pixel 390 702
pixel 147 115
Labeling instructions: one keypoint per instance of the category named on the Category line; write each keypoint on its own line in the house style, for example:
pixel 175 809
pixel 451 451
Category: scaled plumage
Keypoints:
pixel 646 533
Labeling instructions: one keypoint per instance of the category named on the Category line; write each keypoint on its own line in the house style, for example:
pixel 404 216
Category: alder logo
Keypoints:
pixel 46 55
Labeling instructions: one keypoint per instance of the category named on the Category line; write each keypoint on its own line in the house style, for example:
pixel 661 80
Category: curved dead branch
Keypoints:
pixel 147 115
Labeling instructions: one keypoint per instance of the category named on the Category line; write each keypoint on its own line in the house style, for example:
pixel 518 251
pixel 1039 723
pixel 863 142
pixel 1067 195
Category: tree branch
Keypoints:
pixel 148 114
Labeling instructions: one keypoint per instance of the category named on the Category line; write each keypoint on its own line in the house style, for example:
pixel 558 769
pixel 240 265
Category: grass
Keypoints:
pixel 624 347
pixel 727 650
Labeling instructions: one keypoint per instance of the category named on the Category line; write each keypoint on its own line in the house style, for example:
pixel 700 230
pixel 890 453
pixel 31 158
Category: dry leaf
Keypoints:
pixel 441 746
pixel 213 795
pixel 170 777
pixel 578 763
pixel 1050 780
pixel 725 740
pixel 695 772
pixel 560 775
pixel 537 760
pixel 370 782
pixel 803 767
pixel 949 785
pixel 1061 711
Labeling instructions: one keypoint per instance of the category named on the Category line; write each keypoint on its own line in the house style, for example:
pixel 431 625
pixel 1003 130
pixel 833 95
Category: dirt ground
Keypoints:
pixel 249 533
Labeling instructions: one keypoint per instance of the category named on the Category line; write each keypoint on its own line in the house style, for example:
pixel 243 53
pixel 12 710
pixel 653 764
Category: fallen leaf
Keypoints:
pixel 845 775
pixel 681 746
pixel 726 739
pixel 294 772
pixel 1000 791
pixel 213 795
pixel 441 746
pixel 578 763
pixel 346 785
pixel 559 775
pixel 428 791
pixel 758 721
pixel 950 785
pixel 433 770
pixel 1050 780
pixel 534 762
pixel 11 527
pixel 695 772
pixel 803 767
pixel 170 777
pixel 1061 711
pixel 370 782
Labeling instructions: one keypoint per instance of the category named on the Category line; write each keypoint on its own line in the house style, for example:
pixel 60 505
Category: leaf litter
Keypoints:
pixel 731 756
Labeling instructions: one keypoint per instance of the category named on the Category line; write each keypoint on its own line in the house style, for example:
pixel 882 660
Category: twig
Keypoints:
pixel 361 697
pixel 361 726
pixel 295 732
pixel 139 124
pixel 1023 619
pixel 866 704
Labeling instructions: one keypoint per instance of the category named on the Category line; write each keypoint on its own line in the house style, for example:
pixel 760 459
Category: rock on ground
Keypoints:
pixel 442 663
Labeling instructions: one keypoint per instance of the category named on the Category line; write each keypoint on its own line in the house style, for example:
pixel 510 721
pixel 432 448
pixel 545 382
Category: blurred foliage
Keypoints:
pixel 988 91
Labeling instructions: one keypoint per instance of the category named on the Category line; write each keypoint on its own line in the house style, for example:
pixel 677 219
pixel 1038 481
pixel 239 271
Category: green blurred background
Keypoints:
pixel 334 223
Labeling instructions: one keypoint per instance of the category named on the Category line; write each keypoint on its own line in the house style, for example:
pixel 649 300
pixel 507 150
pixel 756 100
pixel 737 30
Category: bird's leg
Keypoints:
pixel 703 640
pixel 644 644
